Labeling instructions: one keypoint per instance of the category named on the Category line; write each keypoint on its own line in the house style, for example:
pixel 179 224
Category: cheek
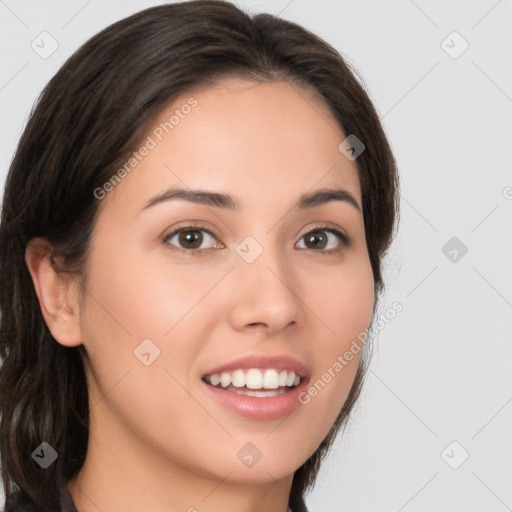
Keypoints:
pixel 135 300
pixel 342 301
pixel 144 297
pixel 343 305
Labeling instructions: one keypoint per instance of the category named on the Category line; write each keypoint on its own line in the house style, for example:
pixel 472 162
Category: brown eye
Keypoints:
pixel 319 239
pixel 190 238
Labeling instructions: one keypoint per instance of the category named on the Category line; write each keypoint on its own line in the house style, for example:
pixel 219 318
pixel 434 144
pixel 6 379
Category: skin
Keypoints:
pixel 158 441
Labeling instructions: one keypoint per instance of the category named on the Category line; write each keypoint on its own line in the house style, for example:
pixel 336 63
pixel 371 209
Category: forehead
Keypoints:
pixel 266 140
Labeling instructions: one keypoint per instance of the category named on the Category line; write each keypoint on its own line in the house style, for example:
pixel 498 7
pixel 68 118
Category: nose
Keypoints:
pixel 268 294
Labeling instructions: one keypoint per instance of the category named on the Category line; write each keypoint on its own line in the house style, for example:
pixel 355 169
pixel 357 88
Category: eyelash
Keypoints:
pixel 345 241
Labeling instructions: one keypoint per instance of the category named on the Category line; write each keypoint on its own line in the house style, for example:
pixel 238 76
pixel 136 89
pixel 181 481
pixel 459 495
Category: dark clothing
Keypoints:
pixel 20 502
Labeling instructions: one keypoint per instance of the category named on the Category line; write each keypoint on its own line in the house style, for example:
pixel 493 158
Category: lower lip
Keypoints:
pixel 259 408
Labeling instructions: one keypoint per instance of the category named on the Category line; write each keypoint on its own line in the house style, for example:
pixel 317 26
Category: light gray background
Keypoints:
pixel 442 367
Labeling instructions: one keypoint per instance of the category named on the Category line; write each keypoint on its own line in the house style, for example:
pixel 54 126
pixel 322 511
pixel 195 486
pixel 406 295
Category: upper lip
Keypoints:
pixel 263 361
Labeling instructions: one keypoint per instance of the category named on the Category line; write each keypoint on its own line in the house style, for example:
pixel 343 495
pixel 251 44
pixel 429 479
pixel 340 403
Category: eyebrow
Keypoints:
pixel 207 198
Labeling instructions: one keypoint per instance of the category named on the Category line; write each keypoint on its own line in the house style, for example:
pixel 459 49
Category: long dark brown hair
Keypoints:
pixel 89 117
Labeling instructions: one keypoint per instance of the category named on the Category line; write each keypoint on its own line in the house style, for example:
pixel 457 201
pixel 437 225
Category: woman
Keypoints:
pixel 190 249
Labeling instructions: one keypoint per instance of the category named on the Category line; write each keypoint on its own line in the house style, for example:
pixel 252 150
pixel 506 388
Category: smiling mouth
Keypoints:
pixel 255 382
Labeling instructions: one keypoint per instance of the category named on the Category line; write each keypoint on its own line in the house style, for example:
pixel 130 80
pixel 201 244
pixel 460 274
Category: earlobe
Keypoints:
pixel 53 289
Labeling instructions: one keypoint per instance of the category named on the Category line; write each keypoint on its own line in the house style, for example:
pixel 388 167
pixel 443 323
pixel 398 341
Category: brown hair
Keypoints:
pixel 88 118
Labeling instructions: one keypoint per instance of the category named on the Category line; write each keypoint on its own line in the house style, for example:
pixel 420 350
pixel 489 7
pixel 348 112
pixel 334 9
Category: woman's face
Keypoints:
pixel 165 309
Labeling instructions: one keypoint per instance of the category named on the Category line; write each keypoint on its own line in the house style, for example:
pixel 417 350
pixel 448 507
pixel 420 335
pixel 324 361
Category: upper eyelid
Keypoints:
pixel 325 225
pixel 190 227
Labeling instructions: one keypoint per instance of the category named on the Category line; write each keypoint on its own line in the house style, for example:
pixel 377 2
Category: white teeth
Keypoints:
pixel 260 394
pixel 271 379
pixel 291 379
pixel 255 378
pixel 225 379
pixel 238 379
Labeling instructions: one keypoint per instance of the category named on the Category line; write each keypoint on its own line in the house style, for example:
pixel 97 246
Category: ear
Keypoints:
pixel 56 293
